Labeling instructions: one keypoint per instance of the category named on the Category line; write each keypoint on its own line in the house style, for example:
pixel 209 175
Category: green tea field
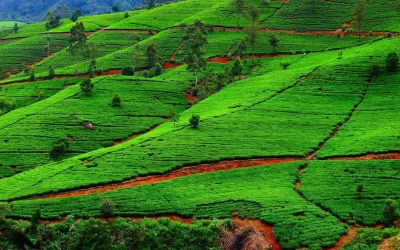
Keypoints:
pixel 282 116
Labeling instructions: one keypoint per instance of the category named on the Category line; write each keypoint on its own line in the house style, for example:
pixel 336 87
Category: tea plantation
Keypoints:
pixel 293 124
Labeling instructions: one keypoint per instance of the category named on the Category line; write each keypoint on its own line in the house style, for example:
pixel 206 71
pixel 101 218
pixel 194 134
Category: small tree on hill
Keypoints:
pixel 359 15
pixel 116 100
pixel 77 43
pixel 273 41
pixel 35 221
pixel 238 6
pixel 107 208
pixel 359 190
pixel 195 39
pixel 174 116
pixel 60 146
pixel 240 48
pixel 392 60
pixel 115 8
pixel 126 14
pixel 32 76
pixel 77 13
pixel 151 54
pixel 16 28
pixel 390 212
pixel 87 87
pixel 237 67
pixel 253 14
pixel 52 74
pixel 374 69
pixel 194 121
pixel 52 20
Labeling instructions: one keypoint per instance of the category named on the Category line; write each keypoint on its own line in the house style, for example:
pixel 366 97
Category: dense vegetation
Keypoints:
pixel 281 113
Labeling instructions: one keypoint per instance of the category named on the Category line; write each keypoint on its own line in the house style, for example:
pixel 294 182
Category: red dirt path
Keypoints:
pixel 203 168
pixel 388 156
pixel 351 233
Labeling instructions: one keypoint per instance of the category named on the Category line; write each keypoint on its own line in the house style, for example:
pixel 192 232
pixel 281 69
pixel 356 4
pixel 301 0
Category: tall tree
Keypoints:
pixel 77 43
pixel 240 48
pixel 151 54
pixel 195 39
pixel 358 15
pixel 77 13
pixel 253 14
pixel 62 11
pixel 238 6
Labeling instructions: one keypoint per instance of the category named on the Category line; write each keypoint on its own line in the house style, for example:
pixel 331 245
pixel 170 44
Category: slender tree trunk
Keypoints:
pixel 238 19
pixel 252 62
pixel 48 43
pixel 76 67
pixel 196 73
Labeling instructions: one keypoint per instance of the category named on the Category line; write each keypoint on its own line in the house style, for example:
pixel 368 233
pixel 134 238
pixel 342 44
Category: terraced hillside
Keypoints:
pixel 304 140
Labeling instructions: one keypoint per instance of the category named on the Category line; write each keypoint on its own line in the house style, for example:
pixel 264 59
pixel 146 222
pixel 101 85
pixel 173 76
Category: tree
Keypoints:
pixel 194 121
pixel 238 6
pixel 126 14
pixel 374 69
pixel 151 54
pixel 253 14
pixel 151 4
pixel 35 221
pixel 16 28
pixel 52 21
pixel 77 13
pixel 273 40
pixel 62 11
pixel 358 15
pixel 195 39
pixel 359 190
pixel 390 212
pixel 107 208
pixel 237 67
pixel 52 74
pixel 3 211
pixel 174 116
pixel 60 146
pixel 128 71
pixel 392 60
pixel 87 87
pixel 115 9
pixel 32 76
pixel 240 48
pixel 77 43
pixel 116 100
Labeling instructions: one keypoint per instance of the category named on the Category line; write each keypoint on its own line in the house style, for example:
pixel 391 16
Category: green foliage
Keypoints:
pixel 16 28
pixel 392 60
pixel 6 105
pixel 359 14
pixel 151 54
pixel 77 13
pixel 128 71
pixel 237 67
pixel 116 100
pixel 52 21
pixel 92 235
pixel 107 208
pixel 32 76
pixel 77 43
pixel 52 73
pixel 238 6
pixel 87 87
pixel 60 146
pixel 273 40
pixel 369 239
pixel 194 121
pixel 390 212
pixel 374 69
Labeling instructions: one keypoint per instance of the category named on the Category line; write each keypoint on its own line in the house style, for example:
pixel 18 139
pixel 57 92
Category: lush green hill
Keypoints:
pixel 305 138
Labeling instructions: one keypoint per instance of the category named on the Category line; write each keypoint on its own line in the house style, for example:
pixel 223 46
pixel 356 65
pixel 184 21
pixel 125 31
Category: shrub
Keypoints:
pixel 128 71
pixel 52 74
pixel 237 67
pixel 6 105
pixel 390 213
pixel 41 95
pixel 158 69
pixel 107 208
pixel 60 146
pixel 146 74
pixel 392 60
pixel 194 121
pixel 285 65
pixel 374 69
pixel 126 14
pixel 116 100
pixel 87 87
pixel 32 76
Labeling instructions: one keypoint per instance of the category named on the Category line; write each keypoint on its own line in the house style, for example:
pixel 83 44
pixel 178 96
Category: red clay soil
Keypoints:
pixel 219 59
pixel 266 229
pixel 351 233
pixel 190 98
pixel 128 31
pixel 388 156
pixel 171 65
pixel 203 168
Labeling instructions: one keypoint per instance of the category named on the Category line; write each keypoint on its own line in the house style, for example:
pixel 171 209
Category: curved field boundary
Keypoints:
pixel 203 168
